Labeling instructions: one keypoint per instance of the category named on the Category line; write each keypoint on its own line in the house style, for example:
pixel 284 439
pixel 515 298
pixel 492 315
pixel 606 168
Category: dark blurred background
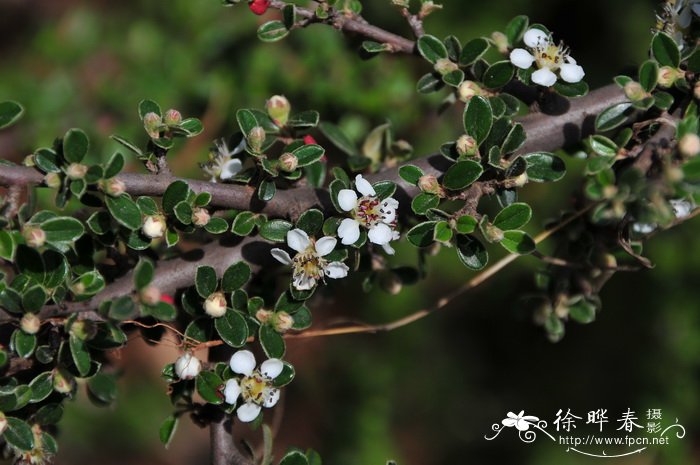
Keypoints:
pixel 425 394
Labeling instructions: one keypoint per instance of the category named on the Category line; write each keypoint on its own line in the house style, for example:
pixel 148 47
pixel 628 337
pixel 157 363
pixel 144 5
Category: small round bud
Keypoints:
pixel 467 90
pixel 400 3
pixel 29 161
pixel 674 174
pixel 493 233
pixel 500 41
pixel 634 91
pixel 521 180
pixel 76 171
pixel 53 180
pixel 259 7
pixel 390 283
pixel 83 329
pixel 153 226
pixel 278 107
pixel 609 191
pixel 30 323
pixel 288 162
pixel 152 123
pixel 34 236
pixel 263 316
pixel 429 183
pixel 445 66
pixel 168 299
pixel 256 138
pixel 63 382
pixel 309 140
pixel 466 145
pixel 215 305
pixel 172 117
pixel 114 187
pixel 282 322
pixel 77 288
pixel 667 76
pixel 561 309
pixel 200 216
pixel 187 366
pixel 150 295
pixel 428 7
pixel 689 145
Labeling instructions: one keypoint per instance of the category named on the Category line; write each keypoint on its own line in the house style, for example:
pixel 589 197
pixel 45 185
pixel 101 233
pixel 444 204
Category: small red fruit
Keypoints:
pixel 309 139
pixel 259 7
pixel 167 299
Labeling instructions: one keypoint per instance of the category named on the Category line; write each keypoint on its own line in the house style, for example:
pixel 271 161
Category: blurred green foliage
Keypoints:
pixel 425 394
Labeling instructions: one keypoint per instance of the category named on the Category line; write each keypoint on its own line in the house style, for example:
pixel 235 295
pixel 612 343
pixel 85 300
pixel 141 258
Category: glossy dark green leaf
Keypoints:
pixel 7 246
pixel 232 328
pixel 143 273
pixel 103 387
pixel 473 50
pixel 544 167
pixel 410 173
pixel 478 118
pixel 23 343
pixel 421 235
pixel 613 116
pixel 423 202
pixel 516 28
pixel 462 174
pixel 272 31
pixel 235 277
pixel 311 222
pixel 569 89
pixel 514 216
pixel 266 190
pixel 304 119
pixel 286 376
pixel 465 224
pixel 10 112
pixel 498 74
pixel 453 78
pixel 271 342
pixel 90 283
pixel 431 48
pixel 34 298
pixel 429 83
pixel 19 434
pixel 175 193
pixel 648 75
pixel 122 308
pixel 80 354
pixel 49 414
pixel 518 242
pixel 471 252
pixel 183 212
pixel 206 281
pixel 148 106
pixel 243 223
pixel 62 229
pixel 125 211
pixel 308 154
pixel 167 430
pixel 336 135
pixel 114 165
pixel 75 145
pixel 208 386
pixel 665 50
pixel 294 457
pixel 191 127
pixel 41 386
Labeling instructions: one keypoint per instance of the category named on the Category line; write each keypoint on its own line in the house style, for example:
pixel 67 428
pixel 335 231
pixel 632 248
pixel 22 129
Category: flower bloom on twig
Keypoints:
pixel 255 387
pixel 548 58
pixel 221 165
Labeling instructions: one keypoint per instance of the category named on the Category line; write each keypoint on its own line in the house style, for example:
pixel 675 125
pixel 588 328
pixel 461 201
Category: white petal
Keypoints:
pixel 363 186
pixel 231 168
pixel 388 249
pixel 570 72
pixel 336 270
pixel 303 282
pixel 544 77
pixel 248 412
pixel 298 240
pixel 380 234
pixel 643 228
pixel 534 36
pixel 243 362
pixel 240 147
pixel 388 210
pixel 349 231
pixel 347 199
pixel 325 245
pixel 681 207
pixel 281 256
pixel 272 398
pixel 232 391
pixel 271 368
pixel 521 58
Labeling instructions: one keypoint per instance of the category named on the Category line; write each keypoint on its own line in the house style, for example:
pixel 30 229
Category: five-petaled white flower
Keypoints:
pixel 548 58
pixel 308 265
pixel 254 387
pixel 520 421
pixel 378 216
pixel 221 164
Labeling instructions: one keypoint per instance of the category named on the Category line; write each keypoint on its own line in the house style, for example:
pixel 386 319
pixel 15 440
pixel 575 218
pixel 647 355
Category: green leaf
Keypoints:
pixel 305 119
pixel 583 311
pixel 665 50
pixel 478 118
pixel 216 226
pixel 243 223
pixel 472 51
pixel 266 190
pixel 191 126
pixel 183 212
pixel 514 216
pixel 544 167
pixel 232 328
pixel 75 145
pixel 147 205
pixel 443 232
pixel 91 283
pixel 163 311
pixel 430 82
pixel 49 414
pixel 308 154
pixel 375 47
pixel 311 222
pixel 272 31
pixel 516 28
pixel 62 229
pixel 514 140
pixel 206 281
pixel 498 74
pixel 23 343
pixel 55 267
pixel 286 376
pixel 569 89
pixel 10 112
pixel 337 137
pixel 462 174
pixel 235 276
pixel 518 242
pixel 129 145
pixel 465 224
pixel 246 121
pixel 423 202
pixel 613 116
pixel 431 48
pixel 167 430
pixel 7 246
pixel 199 329
pixel 19 434
pixel 421 235
pixel 125 211
pixel 143 273
pixel 294 457
pixel 471 252
pixel 411 174
pixel 80 354
pixel 34 298
pixel 148 106
pixel 648 75
pixel 202 199
pixel 103 387
pixel 271 342
pixel 603 146
pixel 453 78
pixel 384 189
pixel 114 165
pixel 208 386
pixel 47 160
pixel 176 192
pixel 663 100
pixel 41 386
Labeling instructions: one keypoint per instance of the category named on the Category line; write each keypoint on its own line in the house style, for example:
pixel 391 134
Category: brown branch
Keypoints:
pixel 223 447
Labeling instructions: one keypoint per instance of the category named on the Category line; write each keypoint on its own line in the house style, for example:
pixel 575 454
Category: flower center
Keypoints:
pixel 550 56
pixel 368 211
pixel 309 263
pixel 255 388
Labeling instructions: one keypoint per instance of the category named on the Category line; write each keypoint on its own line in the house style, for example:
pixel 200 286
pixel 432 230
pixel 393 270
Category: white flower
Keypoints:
pixel 255 387
pixel 308 265
pixel 215 305
pixel 520 421
pixel 378 216
pixel 548 57
pixel 187 366
pixel 221 164
pixel 682 207
pixel 153 226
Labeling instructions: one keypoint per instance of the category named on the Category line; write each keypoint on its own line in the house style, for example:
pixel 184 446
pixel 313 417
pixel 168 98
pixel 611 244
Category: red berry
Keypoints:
pixel 167 299
pixel 308 140
pixel 259 7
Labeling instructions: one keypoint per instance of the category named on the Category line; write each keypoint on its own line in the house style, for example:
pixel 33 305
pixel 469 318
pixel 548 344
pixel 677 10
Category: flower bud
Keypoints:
pixel 187 366
pixel 153 226
pixel 30 323
pixel 428 7
pixel 609 191
pixel 215 305
pixel 63 382
pixel 152 123
pixel 259 7
pixel 696 90
pixel 467 90
pixel 114 187
pixel 667 76
pixel 278 107
pixel 34 236
pixel 466 145
pixel 52 180
pixel 634 91
pixel 3 423
pixel 168 299
pixel 200 216
pixel 77 288
pixel 493 233
pixel 263 316
pixel 689 145
pixel 282 322
pixel 150 295
pixel 83 329
pixel 521 180
pixel 76 171
pixel 309 140
pixel 400 3
pixel 288 162
pixel 429 183
pixel 29 161
pixel 445 66
pixel 256 139
pixel 500 41
pixel 390 282
pixel 172 117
